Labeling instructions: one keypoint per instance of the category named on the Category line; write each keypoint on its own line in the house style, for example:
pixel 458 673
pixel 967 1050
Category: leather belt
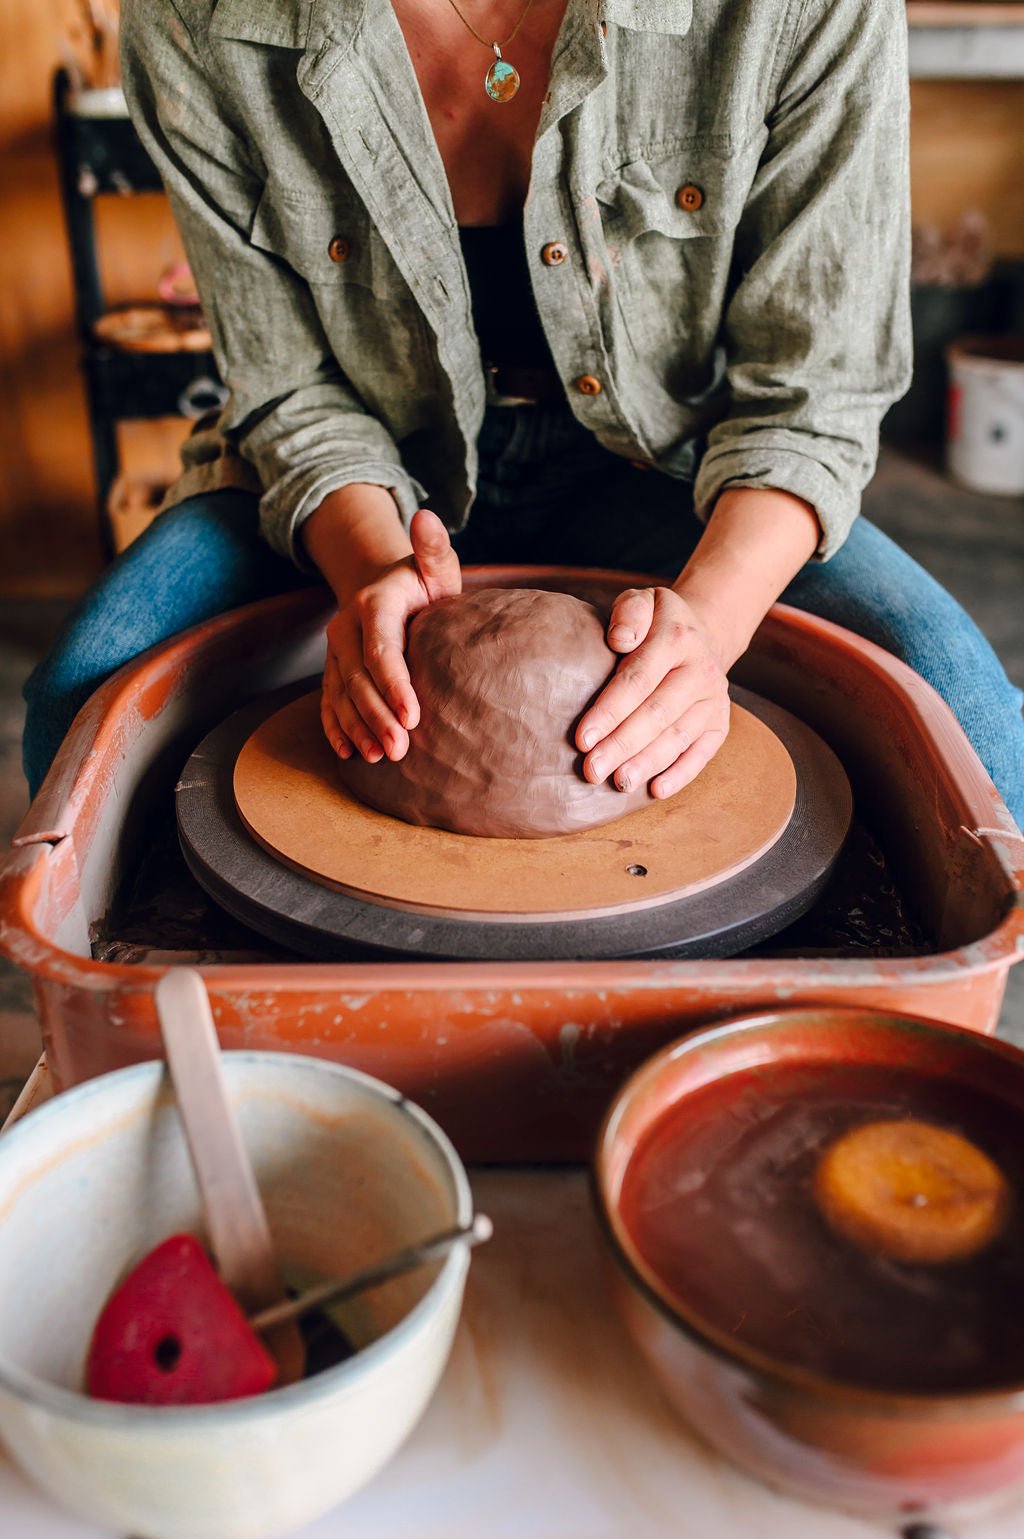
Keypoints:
pixel 509 385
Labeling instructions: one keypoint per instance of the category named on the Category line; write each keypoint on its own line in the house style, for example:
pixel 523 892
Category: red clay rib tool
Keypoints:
pixel 174 1332
pixel 189 1340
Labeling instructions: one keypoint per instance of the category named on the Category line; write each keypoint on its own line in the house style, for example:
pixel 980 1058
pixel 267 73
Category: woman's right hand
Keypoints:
pixel 367 703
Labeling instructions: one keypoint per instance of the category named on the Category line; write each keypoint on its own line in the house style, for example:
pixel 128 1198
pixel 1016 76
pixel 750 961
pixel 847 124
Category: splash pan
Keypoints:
pixel 517 1059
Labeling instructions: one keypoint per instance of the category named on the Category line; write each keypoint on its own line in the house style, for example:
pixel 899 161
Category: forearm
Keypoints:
pixel 353 536
pixel 755 543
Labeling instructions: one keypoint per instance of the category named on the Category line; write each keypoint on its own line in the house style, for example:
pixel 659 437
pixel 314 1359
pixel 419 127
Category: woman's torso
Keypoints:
pixel 485 146
pixel 640 169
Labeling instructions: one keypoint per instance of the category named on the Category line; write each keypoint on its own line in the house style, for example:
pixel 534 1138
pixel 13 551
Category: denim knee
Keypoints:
pixel 195 561
pixel 875 589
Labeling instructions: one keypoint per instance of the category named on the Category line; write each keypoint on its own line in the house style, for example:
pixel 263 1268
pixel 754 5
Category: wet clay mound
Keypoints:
pixel 503 677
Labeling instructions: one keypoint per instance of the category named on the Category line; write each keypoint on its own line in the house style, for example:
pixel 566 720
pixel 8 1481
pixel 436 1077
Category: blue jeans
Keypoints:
pixel 548 493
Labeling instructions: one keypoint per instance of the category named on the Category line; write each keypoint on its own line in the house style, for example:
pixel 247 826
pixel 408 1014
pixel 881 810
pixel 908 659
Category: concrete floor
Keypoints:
pixel 972 544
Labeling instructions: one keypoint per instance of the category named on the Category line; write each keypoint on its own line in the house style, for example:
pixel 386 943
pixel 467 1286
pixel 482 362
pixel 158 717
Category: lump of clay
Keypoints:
pixel 503 677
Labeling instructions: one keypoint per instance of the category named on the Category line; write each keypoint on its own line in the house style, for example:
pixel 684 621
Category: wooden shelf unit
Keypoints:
pixel 102 156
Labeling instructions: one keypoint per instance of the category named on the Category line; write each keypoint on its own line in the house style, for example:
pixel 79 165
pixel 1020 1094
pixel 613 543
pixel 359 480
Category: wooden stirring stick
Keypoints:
pixel 235 1219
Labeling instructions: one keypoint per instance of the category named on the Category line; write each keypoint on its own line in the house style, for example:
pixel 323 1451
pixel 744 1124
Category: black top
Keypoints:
pixel 504 313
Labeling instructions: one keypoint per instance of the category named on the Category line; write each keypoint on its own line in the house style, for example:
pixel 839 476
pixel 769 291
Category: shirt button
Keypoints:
pixel 588 385
pixel 690 197
pixel 554 253
pixel 339 249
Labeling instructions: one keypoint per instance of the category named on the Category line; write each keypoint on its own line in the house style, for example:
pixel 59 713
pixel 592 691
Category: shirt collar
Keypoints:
pixel 305 23
pixel 282 23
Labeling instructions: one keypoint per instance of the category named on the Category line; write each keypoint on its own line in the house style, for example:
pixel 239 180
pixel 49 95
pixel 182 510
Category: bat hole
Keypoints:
pixel 636 870
pixel 167 1353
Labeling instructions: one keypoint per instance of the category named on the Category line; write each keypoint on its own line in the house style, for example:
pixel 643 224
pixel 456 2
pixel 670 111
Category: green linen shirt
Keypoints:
pixel 751 334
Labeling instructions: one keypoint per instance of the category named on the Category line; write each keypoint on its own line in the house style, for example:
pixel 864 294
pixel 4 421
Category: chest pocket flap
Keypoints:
pixel 685 192
pixel 325 243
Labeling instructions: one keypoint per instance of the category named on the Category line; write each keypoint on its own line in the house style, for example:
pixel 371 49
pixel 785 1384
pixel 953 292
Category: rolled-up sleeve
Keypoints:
pixel 290 411
pixel 817 329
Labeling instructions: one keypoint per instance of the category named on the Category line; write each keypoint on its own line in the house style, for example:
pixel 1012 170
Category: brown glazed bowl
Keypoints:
pixel 871 1451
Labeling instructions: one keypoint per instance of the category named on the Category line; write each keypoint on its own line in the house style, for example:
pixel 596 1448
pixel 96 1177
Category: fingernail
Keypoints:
pixel 625 783
pixel 620 633
pixel 588 738
pixel 598 767
pixel 371 753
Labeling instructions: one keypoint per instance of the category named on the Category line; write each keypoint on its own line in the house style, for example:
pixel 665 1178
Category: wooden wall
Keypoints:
pixel 968 148
pixel 48 523
pixel 967 151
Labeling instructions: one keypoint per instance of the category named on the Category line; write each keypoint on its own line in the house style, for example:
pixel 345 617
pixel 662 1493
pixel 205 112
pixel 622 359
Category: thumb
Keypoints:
pixel 630 620
pixel 436 561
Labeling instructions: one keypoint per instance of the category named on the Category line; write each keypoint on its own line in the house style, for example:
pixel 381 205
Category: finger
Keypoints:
pixel 384 642
pixel 663 710
pixel 362 711
pixel 332 732
pixel 689 764
pixel 639 674
pixel 630 619
pixel 376 715
pixel 356 730
pixel 339 740
pixel 658 714
pixel 435 559
pixel 348 718
pixel 661 752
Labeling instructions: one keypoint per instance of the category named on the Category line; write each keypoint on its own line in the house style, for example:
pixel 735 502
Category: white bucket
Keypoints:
pixel 985 426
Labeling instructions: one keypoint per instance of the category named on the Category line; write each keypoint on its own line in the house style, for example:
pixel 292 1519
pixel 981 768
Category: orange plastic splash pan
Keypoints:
pixel 518 1061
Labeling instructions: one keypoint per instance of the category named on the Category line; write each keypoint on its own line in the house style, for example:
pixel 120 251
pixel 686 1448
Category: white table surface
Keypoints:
pixel 545 1425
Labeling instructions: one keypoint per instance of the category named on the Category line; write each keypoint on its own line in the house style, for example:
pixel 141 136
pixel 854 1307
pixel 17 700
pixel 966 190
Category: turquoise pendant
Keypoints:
pixel 502 79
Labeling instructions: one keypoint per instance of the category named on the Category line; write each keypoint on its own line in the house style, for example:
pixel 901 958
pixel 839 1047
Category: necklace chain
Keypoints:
pixel 512 35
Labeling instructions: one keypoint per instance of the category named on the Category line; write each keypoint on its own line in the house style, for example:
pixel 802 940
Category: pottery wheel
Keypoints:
pixel 268 828
pixel 293 802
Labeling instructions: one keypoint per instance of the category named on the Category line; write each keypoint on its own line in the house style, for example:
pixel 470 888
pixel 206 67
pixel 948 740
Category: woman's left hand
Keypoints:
pixel 665 712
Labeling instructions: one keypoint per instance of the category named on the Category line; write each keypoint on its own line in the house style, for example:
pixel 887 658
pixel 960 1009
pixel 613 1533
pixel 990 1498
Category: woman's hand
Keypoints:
pixel 367 703
pixel 665 712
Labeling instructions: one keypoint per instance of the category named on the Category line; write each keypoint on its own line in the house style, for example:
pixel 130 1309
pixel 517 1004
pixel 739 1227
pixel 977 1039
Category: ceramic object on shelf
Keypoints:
pixel 349 1172
pixel 99 102
pixel 868 1405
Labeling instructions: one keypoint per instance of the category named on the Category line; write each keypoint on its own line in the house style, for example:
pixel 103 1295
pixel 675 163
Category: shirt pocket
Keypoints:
pixel 369 316
pixel 669 217
pixel 327 243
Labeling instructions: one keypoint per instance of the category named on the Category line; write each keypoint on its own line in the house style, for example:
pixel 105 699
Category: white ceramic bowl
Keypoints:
pixel 349 1171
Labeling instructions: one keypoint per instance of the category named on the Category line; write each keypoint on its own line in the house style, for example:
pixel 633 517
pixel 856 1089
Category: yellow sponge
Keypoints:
pixel 912 1192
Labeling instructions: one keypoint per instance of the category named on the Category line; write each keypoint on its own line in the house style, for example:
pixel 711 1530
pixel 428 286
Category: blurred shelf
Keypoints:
pixel 153 327
pixel 957 40
pixel 961 13
pixel 106 154
pixel 141 361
